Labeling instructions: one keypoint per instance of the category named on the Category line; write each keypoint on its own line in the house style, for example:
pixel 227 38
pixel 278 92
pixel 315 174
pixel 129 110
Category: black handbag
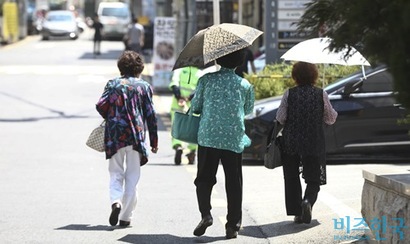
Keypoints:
pixel 273 158
pixel 185 127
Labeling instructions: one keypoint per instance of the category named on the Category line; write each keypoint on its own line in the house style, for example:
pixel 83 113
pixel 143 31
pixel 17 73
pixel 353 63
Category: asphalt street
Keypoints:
pixel 54 189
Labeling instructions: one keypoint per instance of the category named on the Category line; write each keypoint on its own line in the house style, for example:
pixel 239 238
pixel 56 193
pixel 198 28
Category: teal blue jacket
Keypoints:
pixel 223 99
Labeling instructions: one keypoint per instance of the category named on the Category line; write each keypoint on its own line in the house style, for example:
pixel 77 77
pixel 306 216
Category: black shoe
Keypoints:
pixel 201 228
pixel 124 223
pixel 306 212
pixel 191 157
pixel 298 220
pixel 178 154
pixel 231 233
pixel 116 209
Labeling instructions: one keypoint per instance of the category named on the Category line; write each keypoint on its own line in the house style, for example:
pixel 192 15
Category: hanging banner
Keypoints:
pixel 164 51
pixel 10 22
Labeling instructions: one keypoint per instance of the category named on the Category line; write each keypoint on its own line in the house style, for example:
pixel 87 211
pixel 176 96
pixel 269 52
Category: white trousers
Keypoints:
pixel 123 181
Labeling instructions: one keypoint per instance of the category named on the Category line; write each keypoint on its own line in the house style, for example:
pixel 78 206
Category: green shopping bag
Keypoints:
pixel 185 127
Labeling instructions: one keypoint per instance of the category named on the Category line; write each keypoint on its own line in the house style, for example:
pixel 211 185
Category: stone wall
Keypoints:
pixel 386 206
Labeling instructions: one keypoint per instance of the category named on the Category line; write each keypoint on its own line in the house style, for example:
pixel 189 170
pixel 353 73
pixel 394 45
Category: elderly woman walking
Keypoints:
pixel 223 99
pixel 304 110
pixel 127 107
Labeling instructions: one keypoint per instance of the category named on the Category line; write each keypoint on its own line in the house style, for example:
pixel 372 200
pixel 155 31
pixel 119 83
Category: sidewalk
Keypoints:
pixel 162 104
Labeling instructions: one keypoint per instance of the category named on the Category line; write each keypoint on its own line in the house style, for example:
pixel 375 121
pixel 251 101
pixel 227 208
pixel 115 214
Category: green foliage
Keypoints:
pixel 330 73
pixel 382 36
pixel 275 78
pixel 271 81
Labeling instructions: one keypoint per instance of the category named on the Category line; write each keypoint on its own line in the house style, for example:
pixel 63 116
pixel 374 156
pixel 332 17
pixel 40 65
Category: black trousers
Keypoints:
pixel 97 46
pixel 208 161
pixel 293 188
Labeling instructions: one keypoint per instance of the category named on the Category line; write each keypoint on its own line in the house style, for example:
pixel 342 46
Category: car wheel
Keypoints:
pixel 46 38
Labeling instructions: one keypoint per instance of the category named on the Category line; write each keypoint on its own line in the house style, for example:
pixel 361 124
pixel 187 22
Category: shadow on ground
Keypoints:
pixel 167 239
pixel 276 229
pixel 85 227
pixel 111 54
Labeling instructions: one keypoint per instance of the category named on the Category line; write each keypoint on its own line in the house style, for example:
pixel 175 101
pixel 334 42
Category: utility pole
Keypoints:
pixel 217 17
pixel 240 10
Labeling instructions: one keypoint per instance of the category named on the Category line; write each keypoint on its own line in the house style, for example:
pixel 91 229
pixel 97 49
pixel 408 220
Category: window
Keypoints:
pixel 116 12
pixel 380 82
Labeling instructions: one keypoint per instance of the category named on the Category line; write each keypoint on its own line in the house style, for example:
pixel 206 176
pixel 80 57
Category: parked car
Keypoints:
pixel 260 63
pixel 59 23
pixel 367 126
pixel 115 16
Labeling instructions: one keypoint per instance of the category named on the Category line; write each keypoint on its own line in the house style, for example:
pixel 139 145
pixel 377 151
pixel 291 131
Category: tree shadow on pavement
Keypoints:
pixel 85 227
pixel 111 54
pixel 167 239
pixel 276 229
pixel 54 113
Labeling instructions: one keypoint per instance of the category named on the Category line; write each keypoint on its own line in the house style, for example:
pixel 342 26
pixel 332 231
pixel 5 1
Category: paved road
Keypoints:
pixel 54 189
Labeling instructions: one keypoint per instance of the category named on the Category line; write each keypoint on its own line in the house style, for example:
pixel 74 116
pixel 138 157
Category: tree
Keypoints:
pixel 379 29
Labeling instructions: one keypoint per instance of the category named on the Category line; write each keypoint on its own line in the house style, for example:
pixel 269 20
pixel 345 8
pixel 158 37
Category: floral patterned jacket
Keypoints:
pixel 223 99
pixel 127 107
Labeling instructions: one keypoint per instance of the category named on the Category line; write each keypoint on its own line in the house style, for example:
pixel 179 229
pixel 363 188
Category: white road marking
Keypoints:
pixel 342 210
pixel 58 70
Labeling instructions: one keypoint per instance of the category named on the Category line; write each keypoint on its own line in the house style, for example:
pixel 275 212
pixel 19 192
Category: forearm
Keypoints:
pixel 282 113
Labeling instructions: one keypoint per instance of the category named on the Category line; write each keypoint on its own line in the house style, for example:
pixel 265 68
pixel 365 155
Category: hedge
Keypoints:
pixel 275 78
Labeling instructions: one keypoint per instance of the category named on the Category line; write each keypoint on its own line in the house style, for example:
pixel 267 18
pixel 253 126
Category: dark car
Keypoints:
pixel 366 128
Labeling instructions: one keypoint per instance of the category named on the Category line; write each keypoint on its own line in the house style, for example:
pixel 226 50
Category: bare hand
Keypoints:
pixel 182 102
pixel 154 149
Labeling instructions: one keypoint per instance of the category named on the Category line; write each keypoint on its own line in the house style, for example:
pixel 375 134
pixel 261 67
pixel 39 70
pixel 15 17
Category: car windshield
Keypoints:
pixel 116 12
pixel 59 18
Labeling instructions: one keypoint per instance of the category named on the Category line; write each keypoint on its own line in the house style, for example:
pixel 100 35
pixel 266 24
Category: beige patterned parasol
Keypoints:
pixel 214 42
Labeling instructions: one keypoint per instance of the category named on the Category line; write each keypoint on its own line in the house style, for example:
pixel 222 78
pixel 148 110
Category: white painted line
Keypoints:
pixel 58 69
pixel 341 209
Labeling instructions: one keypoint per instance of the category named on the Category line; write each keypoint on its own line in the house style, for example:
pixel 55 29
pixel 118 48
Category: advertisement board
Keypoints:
pixel 164 51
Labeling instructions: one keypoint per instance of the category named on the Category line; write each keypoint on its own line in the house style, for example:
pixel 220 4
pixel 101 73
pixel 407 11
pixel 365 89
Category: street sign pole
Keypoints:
pixel 240 10
pixel 271 41
pixel 217 18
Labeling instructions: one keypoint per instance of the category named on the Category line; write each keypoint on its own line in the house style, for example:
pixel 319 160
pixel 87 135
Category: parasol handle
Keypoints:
pixel 364 73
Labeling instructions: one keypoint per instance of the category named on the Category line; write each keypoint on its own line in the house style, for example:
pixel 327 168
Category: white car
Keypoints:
pixel 60 23
pixel 115 17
